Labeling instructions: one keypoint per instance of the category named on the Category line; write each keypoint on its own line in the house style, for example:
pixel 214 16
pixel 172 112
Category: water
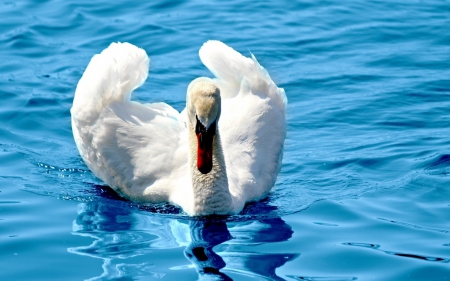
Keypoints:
pixel 363 192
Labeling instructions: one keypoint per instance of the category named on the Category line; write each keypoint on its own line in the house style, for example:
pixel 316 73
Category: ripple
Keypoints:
pixel 325 224
pixel 310 278
pixel 414 256
pixel 399 254
pixel 414 226
pixel 369 92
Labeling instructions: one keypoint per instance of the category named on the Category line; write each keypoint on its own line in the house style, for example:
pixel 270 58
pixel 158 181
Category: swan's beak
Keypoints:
pixel 205 139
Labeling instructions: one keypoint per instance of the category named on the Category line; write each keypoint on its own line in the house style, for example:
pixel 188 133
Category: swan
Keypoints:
pixel 222 151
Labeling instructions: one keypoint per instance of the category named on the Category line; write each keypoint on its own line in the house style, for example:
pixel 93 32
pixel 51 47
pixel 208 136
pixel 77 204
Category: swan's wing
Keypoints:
pixel 135 148
pixel 252 123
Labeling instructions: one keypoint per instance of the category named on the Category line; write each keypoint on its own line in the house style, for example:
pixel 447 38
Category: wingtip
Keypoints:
pixel 212 45
pixel 212 42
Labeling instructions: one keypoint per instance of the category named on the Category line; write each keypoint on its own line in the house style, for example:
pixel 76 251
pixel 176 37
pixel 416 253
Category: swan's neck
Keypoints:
pixel 211 193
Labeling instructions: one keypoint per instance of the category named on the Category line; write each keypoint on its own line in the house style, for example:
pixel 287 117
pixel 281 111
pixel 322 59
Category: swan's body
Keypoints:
pixel 222 151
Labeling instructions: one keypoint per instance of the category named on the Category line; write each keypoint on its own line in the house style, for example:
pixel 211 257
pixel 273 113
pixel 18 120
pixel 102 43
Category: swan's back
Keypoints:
pixel 252 124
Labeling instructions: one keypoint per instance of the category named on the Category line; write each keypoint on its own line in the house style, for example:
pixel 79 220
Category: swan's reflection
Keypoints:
pixel 206 234
pixel 214 249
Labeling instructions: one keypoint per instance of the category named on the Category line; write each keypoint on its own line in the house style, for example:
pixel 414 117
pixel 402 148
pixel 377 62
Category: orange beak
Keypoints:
pixel 205 138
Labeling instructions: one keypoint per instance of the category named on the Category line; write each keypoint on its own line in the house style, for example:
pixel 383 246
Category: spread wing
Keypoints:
pixel 252 123
pixel 137 149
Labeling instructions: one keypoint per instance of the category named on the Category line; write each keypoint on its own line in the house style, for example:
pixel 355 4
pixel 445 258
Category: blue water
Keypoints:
pixel 363 193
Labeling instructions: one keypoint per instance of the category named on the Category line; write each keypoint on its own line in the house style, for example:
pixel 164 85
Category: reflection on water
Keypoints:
pixel 215 249
pixel 204 236
pixel 114 242
pixel 207 234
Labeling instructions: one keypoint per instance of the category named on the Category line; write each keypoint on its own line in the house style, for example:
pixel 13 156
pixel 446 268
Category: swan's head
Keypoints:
pixel 203 108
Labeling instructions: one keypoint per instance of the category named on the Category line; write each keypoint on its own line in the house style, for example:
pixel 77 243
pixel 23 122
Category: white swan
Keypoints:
pixel 223 150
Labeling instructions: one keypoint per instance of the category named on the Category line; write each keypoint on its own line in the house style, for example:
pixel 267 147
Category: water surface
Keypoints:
pixel 363 192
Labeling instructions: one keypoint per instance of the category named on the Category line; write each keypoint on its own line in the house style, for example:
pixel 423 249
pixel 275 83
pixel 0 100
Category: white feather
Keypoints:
pixel 142 150
pixel 252 124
